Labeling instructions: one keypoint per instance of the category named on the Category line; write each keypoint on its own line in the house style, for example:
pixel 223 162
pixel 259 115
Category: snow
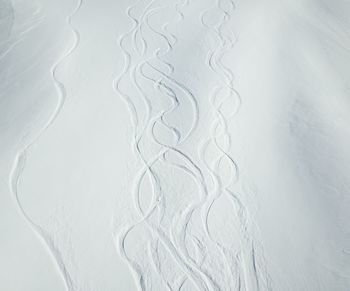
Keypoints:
pixel 174 145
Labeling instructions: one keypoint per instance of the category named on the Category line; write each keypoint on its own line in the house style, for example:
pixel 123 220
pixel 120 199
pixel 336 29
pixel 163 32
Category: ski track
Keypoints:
pixel 243 268
pixel 251 271
pixel 19 163
pixel 187 267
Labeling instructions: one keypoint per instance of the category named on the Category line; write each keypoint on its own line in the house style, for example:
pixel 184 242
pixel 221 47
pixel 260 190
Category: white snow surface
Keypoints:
pixel 174 145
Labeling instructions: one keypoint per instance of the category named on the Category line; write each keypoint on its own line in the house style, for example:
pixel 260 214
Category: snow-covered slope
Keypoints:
pixel 174 145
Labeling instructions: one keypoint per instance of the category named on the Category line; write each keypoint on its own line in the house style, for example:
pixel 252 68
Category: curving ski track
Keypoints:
pixel 19 163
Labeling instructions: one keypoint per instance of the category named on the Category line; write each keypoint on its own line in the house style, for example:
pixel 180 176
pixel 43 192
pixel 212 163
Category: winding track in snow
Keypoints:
pixel 19 163
pixel 251 265
pixel 192 270
pixel 141 67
